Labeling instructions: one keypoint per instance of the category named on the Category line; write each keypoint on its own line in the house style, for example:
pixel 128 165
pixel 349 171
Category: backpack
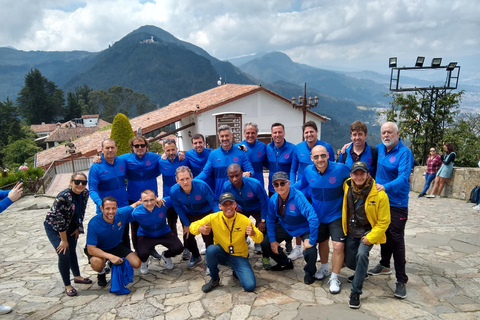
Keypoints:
pixel 474 195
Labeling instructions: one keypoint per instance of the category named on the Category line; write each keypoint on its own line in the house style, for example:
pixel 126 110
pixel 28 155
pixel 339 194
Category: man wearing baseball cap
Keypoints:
pixel 229 244
pixel 365 218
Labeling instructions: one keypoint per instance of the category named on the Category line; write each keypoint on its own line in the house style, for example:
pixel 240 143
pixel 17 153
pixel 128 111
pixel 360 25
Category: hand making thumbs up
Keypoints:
pixel 205 229
pixel 250 230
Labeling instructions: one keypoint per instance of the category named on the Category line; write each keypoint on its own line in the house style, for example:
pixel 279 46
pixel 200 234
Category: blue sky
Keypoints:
pixel 333 34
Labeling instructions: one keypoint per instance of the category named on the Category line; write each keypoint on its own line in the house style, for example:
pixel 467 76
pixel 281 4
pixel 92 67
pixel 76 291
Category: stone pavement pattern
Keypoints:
pixel 443 259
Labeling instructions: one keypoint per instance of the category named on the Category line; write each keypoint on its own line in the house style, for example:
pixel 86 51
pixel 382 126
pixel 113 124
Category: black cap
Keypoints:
pixel 359 165
pixel 280 175
pixel 227 196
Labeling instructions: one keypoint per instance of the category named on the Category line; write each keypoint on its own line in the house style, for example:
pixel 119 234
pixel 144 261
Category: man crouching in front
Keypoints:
pixel 230 246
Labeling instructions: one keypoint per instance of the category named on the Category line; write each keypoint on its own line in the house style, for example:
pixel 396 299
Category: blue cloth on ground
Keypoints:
pixel 122 275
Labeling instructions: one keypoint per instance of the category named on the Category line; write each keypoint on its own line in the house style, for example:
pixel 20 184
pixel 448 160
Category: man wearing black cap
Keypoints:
pixel 230 246
pixel 296 218
pixel 365 218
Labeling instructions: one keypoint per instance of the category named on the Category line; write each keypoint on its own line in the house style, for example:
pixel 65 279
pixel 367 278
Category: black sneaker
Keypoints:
pixel 213 283
pixel 279 267
pixel 354 302
pixel 102 279
pixel 400 290
pixel 288 247
pixel 421 195
pixel 350 279
pixel 308 279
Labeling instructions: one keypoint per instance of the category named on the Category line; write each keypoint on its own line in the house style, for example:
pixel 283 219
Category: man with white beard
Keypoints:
pixel 394 164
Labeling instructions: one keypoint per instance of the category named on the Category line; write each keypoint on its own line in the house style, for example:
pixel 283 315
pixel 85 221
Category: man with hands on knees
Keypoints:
pixel 230 246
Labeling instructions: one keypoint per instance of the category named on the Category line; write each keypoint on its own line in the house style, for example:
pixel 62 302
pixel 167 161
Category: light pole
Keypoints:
pixel 304 104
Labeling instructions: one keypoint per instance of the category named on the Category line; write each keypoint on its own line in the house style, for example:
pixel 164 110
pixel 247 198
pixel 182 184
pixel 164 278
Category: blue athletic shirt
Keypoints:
pixel 366 157
pixel 256 155
pixel 279 159
pixel 393 172
pixel 218 162
pixel 197 161
pixel 327 189
pixel 200 200
pixel 299 217
pixel 141 173
pixel 6 202
pixel 168 168
pixel 105 179
pixel 251 197
pixel 106 235
pixel 152 224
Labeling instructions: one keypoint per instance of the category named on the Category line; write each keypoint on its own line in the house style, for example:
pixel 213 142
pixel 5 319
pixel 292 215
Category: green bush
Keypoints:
pixel 30 175
pixel 122 132
pixel 156 147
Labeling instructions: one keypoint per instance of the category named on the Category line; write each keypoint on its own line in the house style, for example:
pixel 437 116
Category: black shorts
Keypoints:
pixel 332 230
pixel 120 250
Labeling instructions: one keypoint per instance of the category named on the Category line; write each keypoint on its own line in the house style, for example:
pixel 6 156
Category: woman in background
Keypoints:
pixel 434 162
pixel 445 172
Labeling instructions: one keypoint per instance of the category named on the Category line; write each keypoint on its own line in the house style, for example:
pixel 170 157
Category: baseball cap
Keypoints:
pixel 227 196
pixel 280 175
pixel 359 165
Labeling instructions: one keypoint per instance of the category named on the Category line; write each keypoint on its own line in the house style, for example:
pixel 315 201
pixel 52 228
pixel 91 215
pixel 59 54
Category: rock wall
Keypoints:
pixel 459 186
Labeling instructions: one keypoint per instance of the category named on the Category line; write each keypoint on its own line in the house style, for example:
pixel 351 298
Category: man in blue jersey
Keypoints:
pixel 198 157
pixel 153 230
pixel 290 215
pixel 104 237
pixel 394 164
pixel 255 151
pixel 358 149
pixel 301 159
pixel 192 200
pixel 250 197
pixel 325 179
pixel 279 154
pixel 221 158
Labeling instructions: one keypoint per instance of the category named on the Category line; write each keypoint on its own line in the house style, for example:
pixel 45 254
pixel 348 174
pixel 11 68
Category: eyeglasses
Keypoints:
pixel 136 146
pixel 432 150
pixel 281 184
pixel 78 182
pixel 323 156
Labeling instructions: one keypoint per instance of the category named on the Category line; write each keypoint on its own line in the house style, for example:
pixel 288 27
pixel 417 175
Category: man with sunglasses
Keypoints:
pixel 325 178
pixel 290 215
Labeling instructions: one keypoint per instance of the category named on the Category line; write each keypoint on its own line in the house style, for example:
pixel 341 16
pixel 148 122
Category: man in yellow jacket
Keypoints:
pixel 229 243
pixel 365 218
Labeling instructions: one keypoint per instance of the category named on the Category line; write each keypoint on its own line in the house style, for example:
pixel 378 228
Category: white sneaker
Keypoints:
pixel 335 285
pixel 477 207
pixel 5 309
pixel 207 271
pixel 203 251
pixel 168 261
pixel 295 254
pixel 249 241
pixel 430 196
pixel 144 267
pixel 318 257
pixel 321 274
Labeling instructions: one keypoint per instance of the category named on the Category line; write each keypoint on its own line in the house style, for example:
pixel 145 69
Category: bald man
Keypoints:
pixel 325 178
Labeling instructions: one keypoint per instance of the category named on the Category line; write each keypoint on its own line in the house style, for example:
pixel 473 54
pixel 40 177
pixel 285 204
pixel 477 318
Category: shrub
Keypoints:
pixel 122 132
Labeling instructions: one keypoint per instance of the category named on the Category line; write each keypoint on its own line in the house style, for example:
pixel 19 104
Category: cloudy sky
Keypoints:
pixel 335 34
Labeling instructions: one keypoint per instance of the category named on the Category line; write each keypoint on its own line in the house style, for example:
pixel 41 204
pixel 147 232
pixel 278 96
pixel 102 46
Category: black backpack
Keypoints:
pixel 474 195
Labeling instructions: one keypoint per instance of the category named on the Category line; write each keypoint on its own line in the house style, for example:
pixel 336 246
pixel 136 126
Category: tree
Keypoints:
pixel 40 100
pixel 423 117
pixel 465 136
pixel 9 123
pixel 74 109
pixel 20 151
pixel 122 132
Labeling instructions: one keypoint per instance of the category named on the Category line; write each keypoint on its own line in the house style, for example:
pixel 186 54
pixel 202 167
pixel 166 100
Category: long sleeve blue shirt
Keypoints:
pixel 301 158
pixel 105 235
pixel 279 159
pixel 250 197
pixel 197 162
pixel 141 173
pixel 366 157
pixel 200 200
pixel 256 155
pixel 5 200
pixel 105 179
pixel 168 168
pixel 393 172
pixel 299 217
pixel 218 162
pixel 152 224
pixel 327 189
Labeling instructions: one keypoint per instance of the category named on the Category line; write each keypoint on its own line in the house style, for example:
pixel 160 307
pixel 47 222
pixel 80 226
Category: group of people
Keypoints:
pixel 357 202
pixel 438 170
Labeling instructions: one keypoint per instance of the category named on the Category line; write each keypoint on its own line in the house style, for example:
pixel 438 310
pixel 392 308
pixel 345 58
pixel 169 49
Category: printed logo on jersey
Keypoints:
pixel 369 160
pixel 301 155
pixel 148 162
pixel 219 159
pixel 286 155
pixel 161 215
pixel 235 159
pixel 250 194
pixel 292 207
pixel 332 180
pixel 198 197
pixel 119 224
pixel 392 159
pixel 259 154
pixel 121 168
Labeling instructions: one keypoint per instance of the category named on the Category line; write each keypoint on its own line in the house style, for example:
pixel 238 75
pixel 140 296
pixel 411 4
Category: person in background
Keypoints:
pixel 434 162
pixel 255 151
pixel 445 172
pixel 63 224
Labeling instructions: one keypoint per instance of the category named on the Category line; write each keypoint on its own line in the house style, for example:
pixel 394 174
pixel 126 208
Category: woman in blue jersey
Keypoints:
pixel 63 225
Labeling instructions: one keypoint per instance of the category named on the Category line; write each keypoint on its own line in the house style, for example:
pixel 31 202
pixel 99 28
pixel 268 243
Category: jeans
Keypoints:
pixel 67 261
pixel 241 266
pixel 428 181
pixel 356 258
pixel 395 244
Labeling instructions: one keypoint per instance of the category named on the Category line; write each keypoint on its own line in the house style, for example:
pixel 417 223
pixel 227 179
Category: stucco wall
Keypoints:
pixel 459 186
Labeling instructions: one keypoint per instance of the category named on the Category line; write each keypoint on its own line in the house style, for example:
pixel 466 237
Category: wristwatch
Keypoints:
pixel 263 220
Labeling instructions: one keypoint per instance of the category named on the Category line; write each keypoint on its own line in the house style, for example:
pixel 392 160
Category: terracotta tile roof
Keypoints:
pixel 43 127
pixel 102 123
pixel 64 134
pixel 87 116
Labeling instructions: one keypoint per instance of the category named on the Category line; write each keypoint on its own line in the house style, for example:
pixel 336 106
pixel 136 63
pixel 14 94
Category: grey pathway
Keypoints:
pixel 443 253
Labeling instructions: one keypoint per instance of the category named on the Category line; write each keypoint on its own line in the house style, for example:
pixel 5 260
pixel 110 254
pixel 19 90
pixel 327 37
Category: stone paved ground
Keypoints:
pixel 443 265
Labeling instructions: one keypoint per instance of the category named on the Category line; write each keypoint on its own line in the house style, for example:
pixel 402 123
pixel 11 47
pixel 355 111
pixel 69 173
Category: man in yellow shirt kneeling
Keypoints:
pixel 229 242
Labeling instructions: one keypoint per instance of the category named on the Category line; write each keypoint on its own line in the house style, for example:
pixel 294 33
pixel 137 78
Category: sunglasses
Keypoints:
pixel 78 182
pixel 139 146
pixel 432 150
pixel 281 184
pixel 323 156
